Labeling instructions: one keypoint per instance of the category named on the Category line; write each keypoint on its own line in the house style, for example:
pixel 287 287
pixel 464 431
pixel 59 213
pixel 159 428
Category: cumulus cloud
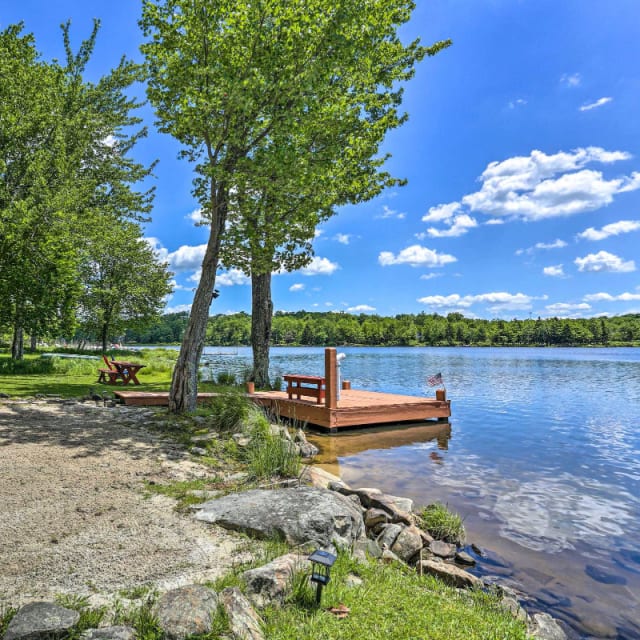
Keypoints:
pixel 498 301
pixel 417 256
pixel 459 226
pixel 604 261
pixel 343 238
pixel 541 186
pixel 296 287
pixel 187 257
pixel 556 244
pixel 518 102
pixel 554 270
pixel 388 212
pixel 594 105
pixel 613 229
pixel 494 221
pixel 429 276
pixel 196 216
pixel 607 297
pixel 361 308
pixel 319 266
pixel 179 308
pixel 564 308
pixel 232 277
pixel 571 80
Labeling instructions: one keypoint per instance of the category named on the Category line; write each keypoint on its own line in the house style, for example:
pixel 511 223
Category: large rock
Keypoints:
pixel 186 611
pixel 244 622
pixel 389 534
pixel 372 517
pixel 544 627
pixel 451 574
pixel 41 621
pixel 375 499
pixel 408 543
pixel 270 583
pixel 442 549
pixel 299 515
pixel 110 633
pixel 319 477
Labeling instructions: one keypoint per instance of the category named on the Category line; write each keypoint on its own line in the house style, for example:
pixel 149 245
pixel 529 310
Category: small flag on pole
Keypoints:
pixel 433 381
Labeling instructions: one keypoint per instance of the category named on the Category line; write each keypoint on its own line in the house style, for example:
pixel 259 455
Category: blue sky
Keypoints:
pixel 522 154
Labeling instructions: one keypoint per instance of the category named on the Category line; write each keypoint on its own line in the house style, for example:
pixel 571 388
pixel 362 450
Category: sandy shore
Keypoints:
pixel 74 515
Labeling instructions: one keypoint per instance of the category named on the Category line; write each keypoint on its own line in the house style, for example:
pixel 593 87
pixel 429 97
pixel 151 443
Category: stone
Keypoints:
pixel 244 622
pixel 186 611
pixel 403 504
pixel 544 627
pixel 352 581
pixel 270 583
pixel 204 437
pixel 41 620
pixel 4 395
pixel 476 549
pixel 241 439
pixel 514 608
pixel 318 477
pixel 300 436
pixel 364 548
pixel 407 544
pixel 307 450
pixel 198 451
pixel 442 549
pixel 297 515
pixel 109 633
pixel 372 517
pixel 388 557
pixel 451 574
pixel 462 557
pixel 427 538
pixel 388 536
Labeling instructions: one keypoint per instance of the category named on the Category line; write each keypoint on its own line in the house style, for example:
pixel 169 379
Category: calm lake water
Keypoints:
pixel 541 458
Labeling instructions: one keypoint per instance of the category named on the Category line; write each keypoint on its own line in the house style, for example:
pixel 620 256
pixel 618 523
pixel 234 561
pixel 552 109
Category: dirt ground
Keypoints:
pixel 73 514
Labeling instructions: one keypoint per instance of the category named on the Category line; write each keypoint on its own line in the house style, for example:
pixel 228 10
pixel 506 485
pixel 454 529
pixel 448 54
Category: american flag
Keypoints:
pixel 433 381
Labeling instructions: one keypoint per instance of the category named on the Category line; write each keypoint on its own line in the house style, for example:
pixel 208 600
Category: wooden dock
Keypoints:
pixel 355 408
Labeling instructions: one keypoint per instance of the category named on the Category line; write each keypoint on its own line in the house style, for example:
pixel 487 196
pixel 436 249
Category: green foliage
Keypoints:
pixel 28 366
pixel 6 614
pixel 269 455
pixel 226 379
pixel 443 524
pixel 229 411
pixel 393 602
pixel 89 618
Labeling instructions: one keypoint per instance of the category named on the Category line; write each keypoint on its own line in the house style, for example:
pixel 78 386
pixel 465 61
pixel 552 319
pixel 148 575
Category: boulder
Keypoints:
pixel 298 515
pixel 41 620
pixel 388 536
pixel 451 574
pixel 307 450
pixel 403 504
pixel 544 627
pixel 186 611
pixel 375 499
pixel 109 633
pixel 462 557
pixel 407 544
pixel 318 477
pixel 514 608
pixel 364 548
pixel 442 549
pixel 270 583
pixel 300 436
pixel 372 517
pixel 244 622
pixel 241 439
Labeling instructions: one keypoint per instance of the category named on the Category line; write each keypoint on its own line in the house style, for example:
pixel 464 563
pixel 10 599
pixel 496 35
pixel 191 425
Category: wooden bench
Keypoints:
pixel 308 386
pixel 111 375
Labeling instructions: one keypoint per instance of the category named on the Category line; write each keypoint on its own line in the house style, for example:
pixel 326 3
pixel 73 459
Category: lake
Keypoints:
pixel 541 458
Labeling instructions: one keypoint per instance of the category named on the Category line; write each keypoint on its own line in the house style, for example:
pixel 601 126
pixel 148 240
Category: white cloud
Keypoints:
pixel 361 308
pixel 319 266
pixel 161 253
pixel 416 256
pixel 494 221
pixel 518 102
pixel 180 308
pixel 499 301
pixel 196 216
pixel 231 278
pixel 343 238
pixel 607 297
pixel 296 287
pixel 429 276
pixel 571 80
pixel 564 308
pixel 556 244
pixel 604 261
pixel 328 304
pixel 187 257
pixel 541 186
pixel 459 226
pixel 613 229
pixel 110 141
pixel 388 212
pixel 317 233
pixel 594 105
pixel 554 270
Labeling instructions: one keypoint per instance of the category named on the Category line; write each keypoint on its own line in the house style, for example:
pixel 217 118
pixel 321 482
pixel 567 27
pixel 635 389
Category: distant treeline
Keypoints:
pixel 310 328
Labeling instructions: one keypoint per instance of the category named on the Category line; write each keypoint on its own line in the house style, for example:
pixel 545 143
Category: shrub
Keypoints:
pixel 443 524
pixel 229 411
pixel 226 379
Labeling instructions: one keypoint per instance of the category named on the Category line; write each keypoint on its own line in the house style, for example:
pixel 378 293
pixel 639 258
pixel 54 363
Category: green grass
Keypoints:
pixel 6 614
pixel 393 602
pixel 442 524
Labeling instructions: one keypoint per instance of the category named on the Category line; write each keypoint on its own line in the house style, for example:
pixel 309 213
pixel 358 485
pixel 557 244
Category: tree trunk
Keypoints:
pixel 103 336
pixel 34 343
pixel 183 395
pixel 261 317
pixel 17 345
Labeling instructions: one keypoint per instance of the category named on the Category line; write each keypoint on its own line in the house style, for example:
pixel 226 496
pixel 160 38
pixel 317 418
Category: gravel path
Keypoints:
pixel 73 517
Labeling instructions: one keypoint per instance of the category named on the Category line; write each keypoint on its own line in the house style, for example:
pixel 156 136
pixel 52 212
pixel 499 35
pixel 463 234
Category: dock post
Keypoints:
pixel 330 378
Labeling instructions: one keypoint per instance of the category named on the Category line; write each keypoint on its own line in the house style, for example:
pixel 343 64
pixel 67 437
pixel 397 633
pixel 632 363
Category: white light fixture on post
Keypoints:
pixel 339 358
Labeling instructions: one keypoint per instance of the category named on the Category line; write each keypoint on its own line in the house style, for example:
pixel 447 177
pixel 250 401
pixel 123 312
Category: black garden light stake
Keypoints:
pixel 321 568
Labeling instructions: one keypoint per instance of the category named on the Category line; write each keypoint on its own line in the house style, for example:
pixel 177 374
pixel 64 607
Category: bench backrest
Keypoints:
pixel 106 360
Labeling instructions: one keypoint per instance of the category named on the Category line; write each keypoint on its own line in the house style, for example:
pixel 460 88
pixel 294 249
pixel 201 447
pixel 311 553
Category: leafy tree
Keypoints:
pixel 59 168
pixel 246 87
pixel 125 286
